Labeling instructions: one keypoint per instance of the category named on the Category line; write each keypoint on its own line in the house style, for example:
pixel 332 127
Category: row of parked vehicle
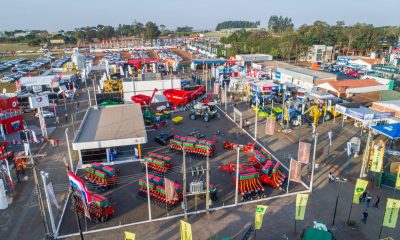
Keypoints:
pixel 22 67
pixel 112 57
pixel 59 62
pixel 139 54
pixel 8 64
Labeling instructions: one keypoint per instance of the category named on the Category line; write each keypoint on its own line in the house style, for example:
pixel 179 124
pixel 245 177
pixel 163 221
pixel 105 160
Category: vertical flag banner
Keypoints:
pixel 216 88
pixel 130 236
pixel 398 178
pixel 260 211
pixel 79 185
pixel 270 126
pixel 52 196
pixel 295 171
pixel 361 186
pixel 186 231
pixel 391 213
pixel 377 157
pixel 301 204
pixel 304 152
pixel 170 189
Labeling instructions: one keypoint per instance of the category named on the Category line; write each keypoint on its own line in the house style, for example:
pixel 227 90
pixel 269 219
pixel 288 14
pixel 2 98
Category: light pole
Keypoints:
pixel 45 175
pixel 313 160
pixel 69 151
pixel 340 180
pixel 237 175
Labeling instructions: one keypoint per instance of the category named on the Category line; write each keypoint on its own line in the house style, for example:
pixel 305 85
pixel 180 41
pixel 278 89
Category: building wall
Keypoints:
pixel 385 109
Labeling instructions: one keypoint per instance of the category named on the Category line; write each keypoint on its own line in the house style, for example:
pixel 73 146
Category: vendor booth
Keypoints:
pixel 110 134
pixel 390 134
pixel 10 115
pixel 363 117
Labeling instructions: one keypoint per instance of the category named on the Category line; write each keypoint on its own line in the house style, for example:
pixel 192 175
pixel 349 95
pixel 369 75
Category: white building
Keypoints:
pixel 320 53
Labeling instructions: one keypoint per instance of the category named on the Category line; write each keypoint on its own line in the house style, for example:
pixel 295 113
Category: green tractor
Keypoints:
pixel 205 111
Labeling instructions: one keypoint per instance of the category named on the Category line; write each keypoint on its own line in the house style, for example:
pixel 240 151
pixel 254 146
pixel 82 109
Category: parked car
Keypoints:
pixel 46 114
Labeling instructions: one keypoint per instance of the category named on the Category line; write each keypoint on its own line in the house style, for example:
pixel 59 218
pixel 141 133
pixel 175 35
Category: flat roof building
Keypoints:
pixel 107 130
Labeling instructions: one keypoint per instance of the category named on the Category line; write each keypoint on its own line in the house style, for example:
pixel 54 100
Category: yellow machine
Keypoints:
pixel 316 113
pixel 112 85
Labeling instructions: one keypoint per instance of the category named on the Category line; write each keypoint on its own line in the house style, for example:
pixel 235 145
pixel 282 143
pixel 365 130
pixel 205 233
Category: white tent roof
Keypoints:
pixel 39 80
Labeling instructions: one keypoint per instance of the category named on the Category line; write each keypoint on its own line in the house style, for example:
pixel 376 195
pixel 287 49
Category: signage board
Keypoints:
pixel 278 75
pixel 39 101
pixel 386 69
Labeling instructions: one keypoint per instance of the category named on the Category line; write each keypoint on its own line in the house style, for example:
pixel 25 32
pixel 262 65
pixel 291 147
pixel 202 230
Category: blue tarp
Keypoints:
pixel 390 130
pixel 363 113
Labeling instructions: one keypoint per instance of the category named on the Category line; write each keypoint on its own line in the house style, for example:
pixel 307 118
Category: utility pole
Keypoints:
pixel 208 183
pixel 45 175
pixel 184 184
pixel 313 160
pixel 256 121
pixel 37 187
pixel 237 175
pixel 148 190
pixel 69 151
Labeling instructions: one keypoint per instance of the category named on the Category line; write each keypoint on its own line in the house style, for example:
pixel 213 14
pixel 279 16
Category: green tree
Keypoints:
pixel 280 24
pixel 151 31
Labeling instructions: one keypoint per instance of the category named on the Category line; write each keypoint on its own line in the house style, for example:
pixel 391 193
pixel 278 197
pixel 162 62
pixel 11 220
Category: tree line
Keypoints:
pixel 148 31
pixel 281 40
pixel 237 24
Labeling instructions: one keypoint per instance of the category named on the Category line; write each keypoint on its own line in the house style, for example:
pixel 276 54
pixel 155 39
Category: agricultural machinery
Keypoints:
pixel 99 210
pixel 102 176
pixel 193 145
pixel 158 163
pixel 183 97
pixel 144 100
pixel 205 111
pixel 252 177
pixel 157 192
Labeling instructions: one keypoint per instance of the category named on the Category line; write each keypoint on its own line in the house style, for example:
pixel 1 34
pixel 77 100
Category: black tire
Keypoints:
pixel 206 118
pixel 193 116
pixel 218 115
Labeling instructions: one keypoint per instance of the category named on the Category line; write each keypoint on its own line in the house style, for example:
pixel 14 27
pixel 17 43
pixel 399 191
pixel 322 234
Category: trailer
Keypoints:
pixel 102 176
pixel 183 97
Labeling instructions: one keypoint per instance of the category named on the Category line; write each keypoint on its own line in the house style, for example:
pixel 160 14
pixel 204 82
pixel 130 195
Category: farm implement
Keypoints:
pixel 99 210
pixel 102 176
pixel 158 163
pixel 193 145
pixel 245 148
pixel 183 97
pixel 260 172
pixel 157 192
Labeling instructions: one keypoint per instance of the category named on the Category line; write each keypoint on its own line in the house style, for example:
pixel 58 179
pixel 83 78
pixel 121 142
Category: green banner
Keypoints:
pixel 301 204
pixel 391 213
pixel 260 211
pixel 360 187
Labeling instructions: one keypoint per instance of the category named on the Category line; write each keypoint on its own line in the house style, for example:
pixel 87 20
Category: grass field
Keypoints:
pixel 4 47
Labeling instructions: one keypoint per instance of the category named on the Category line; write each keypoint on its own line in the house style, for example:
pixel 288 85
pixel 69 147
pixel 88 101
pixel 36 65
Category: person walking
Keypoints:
pixel 66 117
pixel 331 178
pixel 57 141
pixel 365 216
pixel 376 204
pixel 369 198
pixel 363 196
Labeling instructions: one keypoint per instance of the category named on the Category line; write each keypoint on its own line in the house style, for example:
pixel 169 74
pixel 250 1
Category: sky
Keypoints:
pixel 55 15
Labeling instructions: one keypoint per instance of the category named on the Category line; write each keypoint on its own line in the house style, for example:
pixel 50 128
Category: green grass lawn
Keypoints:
pixel 4 47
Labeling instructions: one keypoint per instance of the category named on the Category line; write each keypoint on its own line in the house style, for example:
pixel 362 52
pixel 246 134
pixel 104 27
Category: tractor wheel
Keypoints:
pixel 193 116
pixel 328 116
pixel 206 118
pixel 295 122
